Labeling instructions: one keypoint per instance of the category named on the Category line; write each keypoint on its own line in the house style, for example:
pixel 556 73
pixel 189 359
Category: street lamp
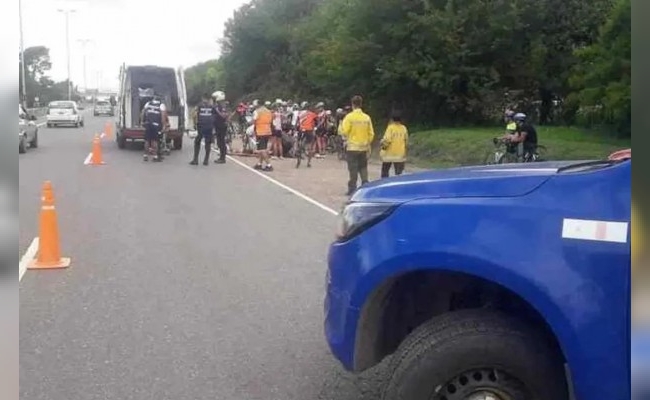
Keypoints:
pixel 22 54
pixel 67 12
pixel 84 43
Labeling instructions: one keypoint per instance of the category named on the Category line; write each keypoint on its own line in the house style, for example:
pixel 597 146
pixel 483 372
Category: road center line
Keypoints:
pixel 285 187
pixel 88 158
pixel 27 258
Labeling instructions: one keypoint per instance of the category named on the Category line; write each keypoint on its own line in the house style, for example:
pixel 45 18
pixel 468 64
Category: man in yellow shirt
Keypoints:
pixel 357 129
pixel 393 146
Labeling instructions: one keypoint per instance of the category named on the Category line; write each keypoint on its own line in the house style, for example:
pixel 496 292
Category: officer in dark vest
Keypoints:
pixel 153 115
pixel 205 119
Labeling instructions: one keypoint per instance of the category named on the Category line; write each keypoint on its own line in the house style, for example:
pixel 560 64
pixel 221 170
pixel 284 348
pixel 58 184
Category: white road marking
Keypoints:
pixel 285 187
pixel 601 231
pixel 88 158
pixel 27 258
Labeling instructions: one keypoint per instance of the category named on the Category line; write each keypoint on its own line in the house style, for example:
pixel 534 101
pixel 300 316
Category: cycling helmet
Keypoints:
pixel 255 103
pixel 320 104
pixel 328 112
pixel 267 103
pixel 519 117
pixel 219 95
pixel 509 113
pixel 304 105
pixel 339 111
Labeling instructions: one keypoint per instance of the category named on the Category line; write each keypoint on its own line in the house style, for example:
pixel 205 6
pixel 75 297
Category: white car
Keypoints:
pixel 64 112
pixel 27 130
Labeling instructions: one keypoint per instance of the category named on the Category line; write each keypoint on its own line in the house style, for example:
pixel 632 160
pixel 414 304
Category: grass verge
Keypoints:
pixel 469 146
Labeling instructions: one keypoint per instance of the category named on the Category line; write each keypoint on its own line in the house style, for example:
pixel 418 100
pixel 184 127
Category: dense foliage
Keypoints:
pixel 39 84
pixel 443 61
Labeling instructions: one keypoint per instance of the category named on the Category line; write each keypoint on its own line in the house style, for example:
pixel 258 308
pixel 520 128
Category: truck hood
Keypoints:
pixel 508 180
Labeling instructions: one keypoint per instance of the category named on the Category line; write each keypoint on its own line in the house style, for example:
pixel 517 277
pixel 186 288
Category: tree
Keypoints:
pixel 602 80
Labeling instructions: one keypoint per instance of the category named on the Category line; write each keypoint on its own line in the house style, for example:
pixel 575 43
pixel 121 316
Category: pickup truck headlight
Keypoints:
pixel 357 217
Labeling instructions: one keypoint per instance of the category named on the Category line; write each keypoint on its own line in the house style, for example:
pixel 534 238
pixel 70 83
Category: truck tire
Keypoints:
pixel 178 143
pixel 475 351
pixel 121 141
pixel 22 147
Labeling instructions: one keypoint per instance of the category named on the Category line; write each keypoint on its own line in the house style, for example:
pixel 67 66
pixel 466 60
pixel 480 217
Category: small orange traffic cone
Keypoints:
pixel 49 252
pixel 96 157
pixel 108 130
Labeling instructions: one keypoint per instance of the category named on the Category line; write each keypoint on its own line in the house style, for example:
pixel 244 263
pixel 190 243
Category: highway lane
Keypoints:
pixel 186 282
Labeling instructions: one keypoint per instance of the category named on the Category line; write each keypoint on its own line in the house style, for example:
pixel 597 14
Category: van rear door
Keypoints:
pixel 182 94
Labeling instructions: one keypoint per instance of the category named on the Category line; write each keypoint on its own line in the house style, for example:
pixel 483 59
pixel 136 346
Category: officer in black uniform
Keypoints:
pixel 153 120
pixel 220 124
pixel 205 120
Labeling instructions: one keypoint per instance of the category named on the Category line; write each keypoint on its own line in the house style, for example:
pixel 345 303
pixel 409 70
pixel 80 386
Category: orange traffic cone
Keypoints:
pixel 108 130
pixel 96 157
pixel 49 252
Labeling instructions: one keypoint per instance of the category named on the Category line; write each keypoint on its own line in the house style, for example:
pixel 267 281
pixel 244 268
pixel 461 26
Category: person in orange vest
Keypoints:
pixel 263 118
pixel 307 124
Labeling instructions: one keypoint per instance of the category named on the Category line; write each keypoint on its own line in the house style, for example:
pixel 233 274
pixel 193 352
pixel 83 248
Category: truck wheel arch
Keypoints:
pixel 426 292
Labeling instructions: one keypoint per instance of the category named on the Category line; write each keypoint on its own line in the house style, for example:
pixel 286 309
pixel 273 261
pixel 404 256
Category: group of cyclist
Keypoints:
pixel 291 123
pixel 520 136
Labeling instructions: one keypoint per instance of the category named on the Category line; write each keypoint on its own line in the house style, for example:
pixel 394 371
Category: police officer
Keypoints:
pixel 220 124
pixel 205 120
pixel 153 116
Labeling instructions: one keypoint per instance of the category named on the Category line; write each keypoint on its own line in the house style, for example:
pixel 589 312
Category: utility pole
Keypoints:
pixel 22 55
pixel 84 43
pixel 67 12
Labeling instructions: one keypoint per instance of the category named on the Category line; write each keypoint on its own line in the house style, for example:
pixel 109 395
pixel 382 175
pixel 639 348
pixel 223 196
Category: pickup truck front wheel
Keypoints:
pixel 475 354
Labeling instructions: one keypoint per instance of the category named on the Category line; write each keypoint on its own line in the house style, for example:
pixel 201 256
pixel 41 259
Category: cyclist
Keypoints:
pixel 276 127
pixel 263 118
pixel 307 124
pixel 525 137
pixel 511 125
pixel 321 130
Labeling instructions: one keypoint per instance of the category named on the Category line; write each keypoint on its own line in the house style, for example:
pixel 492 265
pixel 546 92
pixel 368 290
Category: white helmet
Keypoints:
pixel 320 104
pixel 278 101
pixel 219 95
pixel 328 112
pixel 267 103
pixel 256 103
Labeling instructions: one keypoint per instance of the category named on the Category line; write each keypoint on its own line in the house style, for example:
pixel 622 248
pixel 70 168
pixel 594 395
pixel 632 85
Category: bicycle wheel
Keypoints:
pixel 300 151
pixel 494 158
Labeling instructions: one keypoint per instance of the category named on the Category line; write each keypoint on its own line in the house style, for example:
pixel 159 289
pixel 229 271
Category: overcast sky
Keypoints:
pixel 164 32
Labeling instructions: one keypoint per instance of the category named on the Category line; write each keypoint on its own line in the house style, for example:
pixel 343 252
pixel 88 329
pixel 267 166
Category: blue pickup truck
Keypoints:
pixel 508 282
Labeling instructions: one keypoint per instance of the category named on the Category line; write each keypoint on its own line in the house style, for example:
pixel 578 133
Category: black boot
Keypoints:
pixel 197 148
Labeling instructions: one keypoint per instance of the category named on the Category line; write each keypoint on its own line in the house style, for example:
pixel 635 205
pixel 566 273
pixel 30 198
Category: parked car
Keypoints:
pixel 27 130
pixel 64 112
pixel 103 107
pixel 499 282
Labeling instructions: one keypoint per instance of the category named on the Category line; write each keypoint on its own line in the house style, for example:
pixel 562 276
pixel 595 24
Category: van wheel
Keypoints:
pixel 476 352
pixel 22 147
pixel 121 142
pixel 178 143
pixel 49 125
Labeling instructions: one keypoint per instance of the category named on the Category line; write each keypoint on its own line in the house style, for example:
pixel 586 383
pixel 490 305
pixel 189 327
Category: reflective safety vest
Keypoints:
pixel 205 117
pixel 308 121
pixel 263 122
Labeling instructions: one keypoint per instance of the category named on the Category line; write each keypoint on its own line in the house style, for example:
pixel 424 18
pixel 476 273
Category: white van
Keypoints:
pixel 137 84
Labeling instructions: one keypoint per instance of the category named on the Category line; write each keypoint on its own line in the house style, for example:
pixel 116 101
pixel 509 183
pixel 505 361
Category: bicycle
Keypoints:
pixel 301 148
pixel 505 152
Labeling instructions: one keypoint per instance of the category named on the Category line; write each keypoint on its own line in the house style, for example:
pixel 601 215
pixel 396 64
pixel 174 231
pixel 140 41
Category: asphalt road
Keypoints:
pixel 186 282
